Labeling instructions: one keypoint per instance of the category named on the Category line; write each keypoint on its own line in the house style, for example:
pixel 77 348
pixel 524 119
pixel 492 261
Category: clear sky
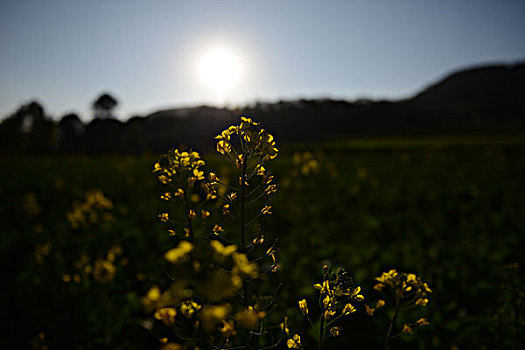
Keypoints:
pixel 147 54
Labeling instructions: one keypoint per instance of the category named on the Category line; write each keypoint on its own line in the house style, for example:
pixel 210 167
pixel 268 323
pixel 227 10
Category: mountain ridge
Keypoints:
pixel 477 99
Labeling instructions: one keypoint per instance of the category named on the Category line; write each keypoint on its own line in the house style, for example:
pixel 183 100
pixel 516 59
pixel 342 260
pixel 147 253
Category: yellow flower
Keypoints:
pixel 407 329
pixel 239 160
pixel 335 331
pixel 258 240
pixel 271 189
pixel 157 167
pixel 369 310
pixel 232 196
pixel 189 307
pixel 324 288
pixel 267 210
pixel 166 196
pixel 284 326
pixel 227 329
pixel 379 287
pixel 225 135
pixel 294 342
pixel 267 179
pixel 179 192
pixel 192 214
pixel 198 174
pixel 249 317
pixel 242 265
pixel 222 250
pixel 166 315
pixel 205 214
pixel 259 170
pixel 380 304
pixel 104 271
pixel 303 306
pixel 348 309
pixel 224 147
pixel 164 217
pixel 176 254
pixel 211 315
pixel 422 302
pixel 356 295
pixel 164 179
pixel 216 229
pixel 422 322
pixel 226 209
pixel 328 314
pixel 153 294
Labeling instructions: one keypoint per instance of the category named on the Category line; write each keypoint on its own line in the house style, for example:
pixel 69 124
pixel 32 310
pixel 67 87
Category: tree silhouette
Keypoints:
pixel 70 129
pixel 28 130
pixel 104 105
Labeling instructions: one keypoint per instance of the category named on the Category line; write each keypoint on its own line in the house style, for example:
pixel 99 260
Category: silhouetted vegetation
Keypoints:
pixel 103 106
pixel 480 100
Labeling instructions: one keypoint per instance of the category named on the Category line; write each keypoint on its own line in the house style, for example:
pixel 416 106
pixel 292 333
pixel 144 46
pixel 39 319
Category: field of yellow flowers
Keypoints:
pixel 83 249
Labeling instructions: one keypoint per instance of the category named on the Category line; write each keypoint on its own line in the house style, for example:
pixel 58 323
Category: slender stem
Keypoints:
pixel 321 332
pixel 187 208
pixel 241 205
pixel 243 236
pixel 389 334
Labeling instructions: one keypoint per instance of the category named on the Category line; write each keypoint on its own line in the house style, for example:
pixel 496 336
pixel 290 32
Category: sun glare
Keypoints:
pixel 219 70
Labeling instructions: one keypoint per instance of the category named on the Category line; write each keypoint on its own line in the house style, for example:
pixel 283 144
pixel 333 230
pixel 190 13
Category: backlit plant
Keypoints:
pixel 221 258
pixel 220 294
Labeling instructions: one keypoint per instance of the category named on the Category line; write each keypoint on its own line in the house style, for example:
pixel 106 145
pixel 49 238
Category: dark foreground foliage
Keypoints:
pixel 80 242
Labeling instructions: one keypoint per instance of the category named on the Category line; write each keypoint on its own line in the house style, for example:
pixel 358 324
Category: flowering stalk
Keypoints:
pixel 409 292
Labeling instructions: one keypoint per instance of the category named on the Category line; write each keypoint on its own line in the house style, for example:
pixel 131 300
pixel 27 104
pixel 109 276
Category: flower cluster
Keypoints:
pixel 400 291
pixel 93 210
pixel 337 292
pixel 183 166
pixel 42 250
pixel 247 138
pixel 406 287
pixel 304 164
pixel 335 289
pixel 103 270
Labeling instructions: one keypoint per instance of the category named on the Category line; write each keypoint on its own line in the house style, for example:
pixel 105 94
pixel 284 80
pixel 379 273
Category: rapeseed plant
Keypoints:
pixel 338 295
pixel 400 292
pixel 220 258
pixel 220 251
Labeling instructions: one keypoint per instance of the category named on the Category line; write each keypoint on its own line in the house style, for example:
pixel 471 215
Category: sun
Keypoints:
pixel 219 69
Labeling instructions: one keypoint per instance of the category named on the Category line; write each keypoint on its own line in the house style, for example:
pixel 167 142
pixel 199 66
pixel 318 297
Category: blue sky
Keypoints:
pixel 64 53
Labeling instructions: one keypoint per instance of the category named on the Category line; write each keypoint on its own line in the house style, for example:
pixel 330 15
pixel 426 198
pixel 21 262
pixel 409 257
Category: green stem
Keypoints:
pixel 187 208
pixel 389 334
pixel 321 332
pixel 243 238
pixel 241 204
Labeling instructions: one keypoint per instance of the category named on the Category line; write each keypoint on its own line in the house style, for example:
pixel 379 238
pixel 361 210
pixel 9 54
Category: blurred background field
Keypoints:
pixel 81 243
pixel 401 135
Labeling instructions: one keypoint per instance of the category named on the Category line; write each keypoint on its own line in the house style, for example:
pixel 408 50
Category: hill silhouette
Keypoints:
pixel 481 99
